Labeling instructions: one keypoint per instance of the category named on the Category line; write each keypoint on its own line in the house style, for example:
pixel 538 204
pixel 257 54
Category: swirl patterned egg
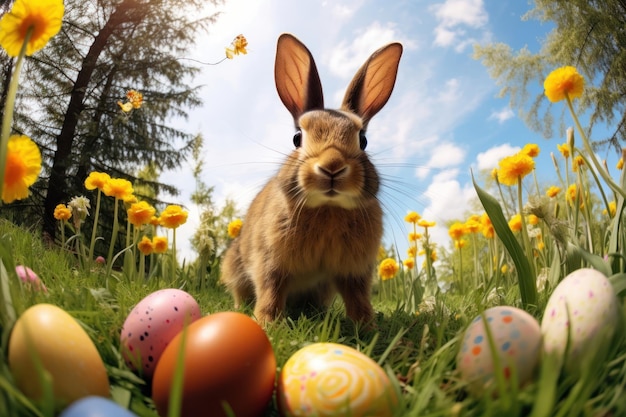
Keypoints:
pixel 329 379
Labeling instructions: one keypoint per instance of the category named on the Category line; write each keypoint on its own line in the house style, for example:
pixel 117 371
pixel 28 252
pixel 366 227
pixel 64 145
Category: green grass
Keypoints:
pixel 417 350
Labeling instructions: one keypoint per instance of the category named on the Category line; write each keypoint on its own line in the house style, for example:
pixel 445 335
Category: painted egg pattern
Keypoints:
pixel 517 338
pixel 583 304
pixel 329 379
pixel 152 324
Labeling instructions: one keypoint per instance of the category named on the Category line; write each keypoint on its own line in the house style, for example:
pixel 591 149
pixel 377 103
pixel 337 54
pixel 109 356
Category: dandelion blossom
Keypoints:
pixel 22 168
pixel 531 149
pixel 159 244
pixel 119 188
pixel 414 237
pixel 412 217
pixel 516 223
pixel 620 164
pixel 426 224
pixel 388 269
pixel 43 16
pixel 135 98
pixel 562 82
pixel 553 191
pixel 145 246
pixel 140 213
pixel 62 212
pixel 234 228
pixel 96 180
pixel 412 251
pixel 515 167
pixel 487 227
pixel 456 231
pixel 173 216
pixel 409 263
pixel 577 162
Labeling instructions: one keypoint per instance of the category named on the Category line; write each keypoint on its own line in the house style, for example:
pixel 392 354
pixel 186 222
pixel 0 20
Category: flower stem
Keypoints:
pixel 92 244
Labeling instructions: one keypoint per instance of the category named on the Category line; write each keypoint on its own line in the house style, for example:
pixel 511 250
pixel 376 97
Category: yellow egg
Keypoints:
pixel 65 351
pixel 329 379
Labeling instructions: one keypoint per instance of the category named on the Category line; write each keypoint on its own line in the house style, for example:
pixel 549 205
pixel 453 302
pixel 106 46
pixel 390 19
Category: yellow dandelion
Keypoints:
pixel 572 194
pixel 412 217
pixel 460 244
pixel 388 269
pixel 23 165
pixel 516 223
pixel 44 17
pixel 173 216
pixel 234 228
pixel 612 209
pixel 409 263
pixel 531 149
pixel 562 82
pixel 135 98
pixel 62 212
pixel 411 251
pixel 159 244
pixel 533 220
pixel 564 149
pixel 512 168
pixel 487 227
pixel 504 268
pixel 145 246
pixel 472 225
pixel 119 188
pixel 577 162
pixel 96 180
pixel 457 230
pixel 620 164
pixel 414 237
pixel 553 191
pixel 140 213
pixel 425 223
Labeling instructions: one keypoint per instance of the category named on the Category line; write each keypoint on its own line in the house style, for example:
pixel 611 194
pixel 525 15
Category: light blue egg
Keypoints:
pixel 95 407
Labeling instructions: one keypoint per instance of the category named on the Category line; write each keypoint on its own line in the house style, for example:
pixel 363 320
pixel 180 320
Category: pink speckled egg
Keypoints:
pixel 517 339
pixel 152 324
pixel 583 305
pixel 331 380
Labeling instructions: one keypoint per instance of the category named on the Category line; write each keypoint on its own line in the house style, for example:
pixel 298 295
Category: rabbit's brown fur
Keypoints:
pixel 315 228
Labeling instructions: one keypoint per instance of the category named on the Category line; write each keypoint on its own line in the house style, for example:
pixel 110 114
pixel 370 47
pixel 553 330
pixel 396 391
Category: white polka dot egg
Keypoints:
pixel 152 324
pixel 582 306
pixel 517 340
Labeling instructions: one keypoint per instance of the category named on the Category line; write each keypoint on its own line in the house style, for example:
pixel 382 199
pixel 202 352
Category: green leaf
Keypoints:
pixel 593 260
pixel 526 278
pixel 619 283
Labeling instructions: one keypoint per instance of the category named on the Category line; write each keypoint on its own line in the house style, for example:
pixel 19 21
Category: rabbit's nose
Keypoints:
pixel 332 171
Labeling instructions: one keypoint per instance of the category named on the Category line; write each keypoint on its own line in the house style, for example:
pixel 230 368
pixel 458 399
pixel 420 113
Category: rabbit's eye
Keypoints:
pixel 362 140
pixel 297 139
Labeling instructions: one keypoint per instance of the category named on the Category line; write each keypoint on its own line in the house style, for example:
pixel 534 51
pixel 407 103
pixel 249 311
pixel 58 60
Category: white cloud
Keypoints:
pixel 488 160
pixel 502 115
pixel 454 17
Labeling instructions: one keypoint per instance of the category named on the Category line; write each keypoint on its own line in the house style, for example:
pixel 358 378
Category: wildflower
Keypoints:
pixel 494 174
pixel 22 168
pixel 173 216
pixel 564 149
pixel 456 231
pixel 472 225
pixel 62 212
pixel 140 213
pixel 43 16
pixel 553 191
pixel 612 209
pixel 533 220
pixel 96 180
pixel 504 268
pixel 541 245
pixel 100 260
pixel 234 228
pixel 460 244
pixel 135 98
pixel 531 149
pixel 572 193
pixel 620 164
pixel 145 246
pixel 412 251
pixel 412 217
pixel 516 223
pixel 159 244
pixel 239 45
pixel 515 167
pixel 154 221
pixel 487 226
pixel 29 277
pixel 577 162
pixel 80 208
pixel 388 269
pixel 563 82
pixel 409 263
pixel 426 224
pixel 118 188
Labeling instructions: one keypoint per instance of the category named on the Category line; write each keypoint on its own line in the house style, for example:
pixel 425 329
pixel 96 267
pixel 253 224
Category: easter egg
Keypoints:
pixel 95 407
pixel 46 334
pixel 517 340
pixel 152 324
pixel 583 305
pixel 228 360
pixel 329 379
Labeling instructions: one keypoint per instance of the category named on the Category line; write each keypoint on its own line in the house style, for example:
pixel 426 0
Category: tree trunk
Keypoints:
pixel 65 140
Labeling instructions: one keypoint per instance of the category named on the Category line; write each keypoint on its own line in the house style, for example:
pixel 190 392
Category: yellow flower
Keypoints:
pixel 234 228
pixel 411 251
pixel 173 216
pixel 612 209
pixel 135 98
pixel 516 223
pixel 494 174
pixel 541 245
pixel 145 246
pixel 22 168
pixel 426 224
pixel 487 226
pixel 456 231
pixel 504 268
pixel 553 191
pixel 62 212
pixel 409 263
pixel 412 217
pixel 126 107
pixel 414 237
pixel 564 81
pixel 460 244
pixel 96 180
pixel 564 149
pixel 531 149
pixel 572 193
pixel 577 162
pixel 159 244
pixel 239 45
pixel 533 220
pixel 119 188
pixel 472 225
pixel 514 167
pixel 43 16
pixel 388 269
pixel 140 213
pixel 620 164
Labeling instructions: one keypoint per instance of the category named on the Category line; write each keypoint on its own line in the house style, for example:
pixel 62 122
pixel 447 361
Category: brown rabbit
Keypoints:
pixel 316 226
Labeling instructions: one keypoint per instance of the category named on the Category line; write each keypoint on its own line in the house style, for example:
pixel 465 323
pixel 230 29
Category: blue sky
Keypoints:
pixel 444 117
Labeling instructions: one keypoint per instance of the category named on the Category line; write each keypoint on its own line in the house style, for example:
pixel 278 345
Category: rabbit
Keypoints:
pixel 315 228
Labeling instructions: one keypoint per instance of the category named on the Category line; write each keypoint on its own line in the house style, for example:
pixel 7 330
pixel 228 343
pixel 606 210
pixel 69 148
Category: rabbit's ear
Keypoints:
pixel 297 80
pixel 373 83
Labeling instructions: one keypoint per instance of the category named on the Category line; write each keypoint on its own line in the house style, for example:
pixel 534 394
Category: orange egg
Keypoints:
pixel 227 359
